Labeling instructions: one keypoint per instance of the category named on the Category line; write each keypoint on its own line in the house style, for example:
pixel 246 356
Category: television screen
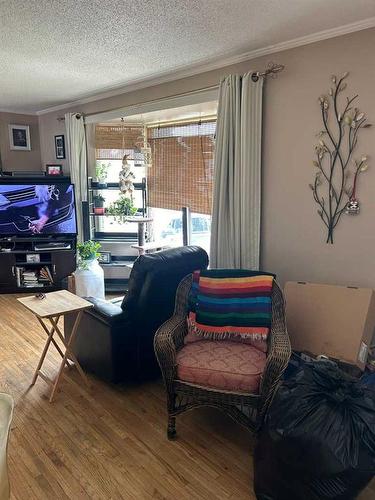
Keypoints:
pixel 37 209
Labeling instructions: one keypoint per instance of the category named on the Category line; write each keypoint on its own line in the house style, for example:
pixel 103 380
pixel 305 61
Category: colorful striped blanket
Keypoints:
pixel 227 303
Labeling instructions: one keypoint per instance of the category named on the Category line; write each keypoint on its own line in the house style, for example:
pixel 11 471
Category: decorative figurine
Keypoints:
pixel 126 178
pixel 352 207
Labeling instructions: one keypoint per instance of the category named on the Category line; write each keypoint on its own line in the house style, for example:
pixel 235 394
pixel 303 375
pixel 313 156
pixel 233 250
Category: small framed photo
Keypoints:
pixel 19 137
pixel 33 257
pixel 104 257
pixel 54 170
pixel 60 147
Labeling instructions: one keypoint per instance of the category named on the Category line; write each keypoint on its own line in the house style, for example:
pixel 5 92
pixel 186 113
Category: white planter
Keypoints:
pixel 89 282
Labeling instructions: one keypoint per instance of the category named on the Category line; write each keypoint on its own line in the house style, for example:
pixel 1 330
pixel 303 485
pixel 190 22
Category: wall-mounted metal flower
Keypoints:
pixel 332 188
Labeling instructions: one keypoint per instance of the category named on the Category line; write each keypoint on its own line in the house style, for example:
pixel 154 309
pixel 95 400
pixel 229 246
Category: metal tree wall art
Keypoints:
pixel 336 181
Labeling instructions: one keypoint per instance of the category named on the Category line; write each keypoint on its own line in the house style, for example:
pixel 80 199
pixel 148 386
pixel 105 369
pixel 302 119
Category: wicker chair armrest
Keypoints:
pixel 279 353
pixel 168 339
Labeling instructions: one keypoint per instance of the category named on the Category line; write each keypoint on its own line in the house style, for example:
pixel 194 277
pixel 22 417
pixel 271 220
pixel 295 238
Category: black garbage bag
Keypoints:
pixel 318 439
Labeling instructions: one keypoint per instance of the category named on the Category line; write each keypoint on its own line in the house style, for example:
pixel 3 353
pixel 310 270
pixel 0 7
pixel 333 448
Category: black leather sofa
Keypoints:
pixel 115 338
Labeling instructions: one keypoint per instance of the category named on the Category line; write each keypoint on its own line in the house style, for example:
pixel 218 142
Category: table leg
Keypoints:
pixel 68 352
pixel 52 339
pixel 46 347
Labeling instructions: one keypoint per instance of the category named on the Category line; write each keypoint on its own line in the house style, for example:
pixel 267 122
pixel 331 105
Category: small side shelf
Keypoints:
pixel 113 186
pixel 108 215
pixel 41 270
pixel 41 263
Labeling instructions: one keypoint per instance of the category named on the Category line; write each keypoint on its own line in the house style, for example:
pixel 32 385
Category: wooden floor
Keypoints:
pixel 110 442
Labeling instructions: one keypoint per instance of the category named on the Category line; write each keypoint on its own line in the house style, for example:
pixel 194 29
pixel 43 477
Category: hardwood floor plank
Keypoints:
pixel 109 442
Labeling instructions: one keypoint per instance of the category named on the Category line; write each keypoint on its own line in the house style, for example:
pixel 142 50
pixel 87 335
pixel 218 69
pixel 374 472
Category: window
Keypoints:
pixel 181 175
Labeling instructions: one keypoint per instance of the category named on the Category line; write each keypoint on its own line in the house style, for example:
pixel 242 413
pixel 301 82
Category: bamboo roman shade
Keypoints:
pixel 113 141
pixel 182 166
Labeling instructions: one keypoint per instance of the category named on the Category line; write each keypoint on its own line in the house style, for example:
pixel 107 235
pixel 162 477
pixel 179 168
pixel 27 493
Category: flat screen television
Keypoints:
pixel 37 209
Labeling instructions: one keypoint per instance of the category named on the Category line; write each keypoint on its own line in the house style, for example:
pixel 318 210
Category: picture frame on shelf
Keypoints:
pixel 19 137
pixel 52 169
pixel 33 258
pixel 60 147
pixel 105 258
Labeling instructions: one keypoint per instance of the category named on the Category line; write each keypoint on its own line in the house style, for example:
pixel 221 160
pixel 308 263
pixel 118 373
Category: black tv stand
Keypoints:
pixel 52 245
pixel 24 268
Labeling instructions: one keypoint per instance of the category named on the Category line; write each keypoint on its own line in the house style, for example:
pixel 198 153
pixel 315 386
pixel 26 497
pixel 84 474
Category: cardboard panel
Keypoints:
pixel 333 320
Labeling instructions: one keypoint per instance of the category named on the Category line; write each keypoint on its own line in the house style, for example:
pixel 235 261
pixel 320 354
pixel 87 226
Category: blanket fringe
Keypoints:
pixel 225 335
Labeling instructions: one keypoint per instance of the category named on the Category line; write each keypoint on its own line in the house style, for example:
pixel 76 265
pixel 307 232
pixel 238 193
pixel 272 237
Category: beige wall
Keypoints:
pixel 49 126
pixel 19 160
pixel 293 239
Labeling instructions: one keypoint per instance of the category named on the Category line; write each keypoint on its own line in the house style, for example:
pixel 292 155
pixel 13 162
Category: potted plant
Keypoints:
pixel 89 276
pixel 121 208
pixel 102 173
pixel 98 204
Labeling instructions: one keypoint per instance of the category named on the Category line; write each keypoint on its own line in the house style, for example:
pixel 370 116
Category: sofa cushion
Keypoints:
pixel 223 365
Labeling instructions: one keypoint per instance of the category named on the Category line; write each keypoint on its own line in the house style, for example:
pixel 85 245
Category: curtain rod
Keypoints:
pixel 183 121
pixel 166 98
pixel 62 118
pixel 161 123
pixel 272 70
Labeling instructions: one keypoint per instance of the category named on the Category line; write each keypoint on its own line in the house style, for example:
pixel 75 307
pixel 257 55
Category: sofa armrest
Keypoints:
pixel 168 339
pixel 117 300
pixel 106 311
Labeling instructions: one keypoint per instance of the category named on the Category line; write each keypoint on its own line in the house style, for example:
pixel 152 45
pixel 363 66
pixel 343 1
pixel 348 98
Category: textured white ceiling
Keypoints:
pixel 57 51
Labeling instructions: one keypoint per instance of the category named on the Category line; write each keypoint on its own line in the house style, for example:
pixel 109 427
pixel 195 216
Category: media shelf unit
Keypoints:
pixel 16 250
pixel 22 256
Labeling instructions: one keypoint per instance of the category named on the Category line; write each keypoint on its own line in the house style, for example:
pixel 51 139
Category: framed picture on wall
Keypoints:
pixel 19 137
pixel 104 257
pixel 60 147
pixel 54 170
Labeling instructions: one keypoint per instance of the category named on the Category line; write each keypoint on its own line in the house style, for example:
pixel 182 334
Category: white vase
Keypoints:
pixel 89 280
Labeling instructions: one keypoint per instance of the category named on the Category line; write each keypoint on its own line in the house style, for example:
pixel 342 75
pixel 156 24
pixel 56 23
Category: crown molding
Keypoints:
pixel 204 66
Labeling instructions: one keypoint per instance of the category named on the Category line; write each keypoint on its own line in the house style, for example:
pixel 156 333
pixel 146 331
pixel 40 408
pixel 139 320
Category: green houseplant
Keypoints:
pixel 89 275
pixel 121 208
pixel 87 252
pixel 101 172
pixel 98 204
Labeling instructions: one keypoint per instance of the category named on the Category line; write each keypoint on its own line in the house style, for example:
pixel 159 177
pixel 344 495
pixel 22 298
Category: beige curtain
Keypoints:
pixel 76 149
pixel 90 147
pixel 235 230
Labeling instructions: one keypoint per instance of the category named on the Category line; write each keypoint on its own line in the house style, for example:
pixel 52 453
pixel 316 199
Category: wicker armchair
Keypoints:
pixel 247 409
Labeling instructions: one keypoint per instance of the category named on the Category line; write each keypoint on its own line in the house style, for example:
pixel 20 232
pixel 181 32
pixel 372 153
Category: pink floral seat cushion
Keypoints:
pixel 223 365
